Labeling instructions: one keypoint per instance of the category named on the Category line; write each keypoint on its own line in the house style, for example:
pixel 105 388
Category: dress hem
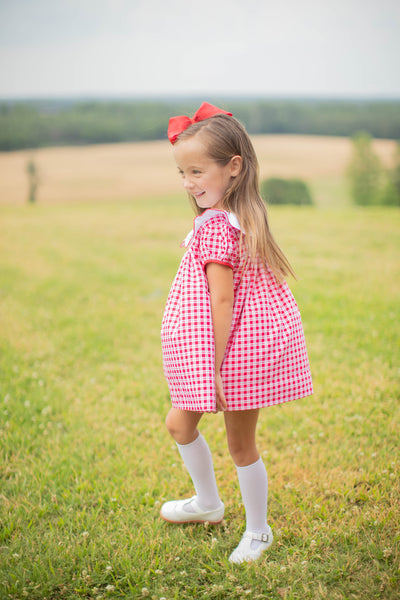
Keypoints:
pixel 255 406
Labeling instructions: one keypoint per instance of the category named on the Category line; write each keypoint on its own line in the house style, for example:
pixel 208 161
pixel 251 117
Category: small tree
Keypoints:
pixel 364 172
pixel 285 191
pixel 391 191
pixel 33 176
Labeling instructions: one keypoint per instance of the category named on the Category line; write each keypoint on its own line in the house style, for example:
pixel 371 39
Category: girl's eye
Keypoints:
pixel 195 172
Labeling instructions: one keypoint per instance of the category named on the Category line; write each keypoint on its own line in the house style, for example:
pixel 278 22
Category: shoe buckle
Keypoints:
pixel 260 537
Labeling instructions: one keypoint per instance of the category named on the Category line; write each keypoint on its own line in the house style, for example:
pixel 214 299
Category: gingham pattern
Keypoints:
pixel 266 359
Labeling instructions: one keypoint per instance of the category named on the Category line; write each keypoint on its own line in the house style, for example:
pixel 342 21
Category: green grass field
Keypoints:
pixel 86 459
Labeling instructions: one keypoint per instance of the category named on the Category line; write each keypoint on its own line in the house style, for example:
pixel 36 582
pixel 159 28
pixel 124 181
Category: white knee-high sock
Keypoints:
pixel 198 461
pixel 253 482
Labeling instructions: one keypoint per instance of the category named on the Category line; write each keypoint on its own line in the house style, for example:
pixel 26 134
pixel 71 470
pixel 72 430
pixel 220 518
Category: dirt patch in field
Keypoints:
pixel 130 171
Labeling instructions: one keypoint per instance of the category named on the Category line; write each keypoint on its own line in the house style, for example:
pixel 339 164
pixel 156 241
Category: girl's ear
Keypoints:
pixel 236 165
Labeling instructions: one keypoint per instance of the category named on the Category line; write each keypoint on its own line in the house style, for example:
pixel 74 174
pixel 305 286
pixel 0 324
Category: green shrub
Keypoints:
pixel 285 191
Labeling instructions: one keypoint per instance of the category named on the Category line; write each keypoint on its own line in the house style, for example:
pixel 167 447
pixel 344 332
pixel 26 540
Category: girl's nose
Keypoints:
pixel 187 184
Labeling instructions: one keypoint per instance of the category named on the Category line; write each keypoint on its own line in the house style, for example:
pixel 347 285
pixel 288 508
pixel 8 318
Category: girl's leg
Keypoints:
pixel 253 482
pixel 197 458
pixel 240 428
pixel 182 425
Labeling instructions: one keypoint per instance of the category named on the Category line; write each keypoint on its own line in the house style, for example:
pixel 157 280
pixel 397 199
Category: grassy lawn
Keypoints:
pixel 86 460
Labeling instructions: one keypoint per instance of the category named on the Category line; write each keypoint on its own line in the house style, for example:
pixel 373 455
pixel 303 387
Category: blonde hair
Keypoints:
pixel 225 138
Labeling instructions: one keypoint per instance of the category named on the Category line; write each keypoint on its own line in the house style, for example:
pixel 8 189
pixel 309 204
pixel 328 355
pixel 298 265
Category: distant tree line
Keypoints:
pixel 33 124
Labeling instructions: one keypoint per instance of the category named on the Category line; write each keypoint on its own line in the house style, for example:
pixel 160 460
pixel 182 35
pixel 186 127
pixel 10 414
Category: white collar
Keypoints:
pixel 206 216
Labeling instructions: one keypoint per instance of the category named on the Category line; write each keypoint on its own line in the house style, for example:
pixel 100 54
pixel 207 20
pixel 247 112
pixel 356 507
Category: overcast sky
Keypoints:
pixel 339 48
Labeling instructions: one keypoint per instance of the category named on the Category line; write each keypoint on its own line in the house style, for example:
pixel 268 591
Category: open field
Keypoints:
pixel 132 171
pixel 86 460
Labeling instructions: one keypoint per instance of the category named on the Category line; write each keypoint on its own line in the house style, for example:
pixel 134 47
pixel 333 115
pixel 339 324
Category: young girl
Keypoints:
pixel 232 336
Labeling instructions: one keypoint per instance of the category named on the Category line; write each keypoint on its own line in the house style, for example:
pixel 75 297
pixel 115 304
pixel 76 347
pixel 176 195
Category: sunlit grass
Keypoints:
pixel 86 460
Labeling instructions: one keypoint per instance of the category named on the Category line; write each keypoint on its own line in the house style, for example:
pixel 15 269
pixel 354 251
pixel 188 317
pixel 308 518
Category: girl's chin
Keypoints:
pixel 206 205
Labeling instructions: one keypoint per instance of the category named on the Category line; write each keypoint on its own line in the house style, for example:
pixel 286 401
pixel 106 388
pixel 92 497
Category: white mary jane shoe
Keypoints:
pixel 245 553
pixel 174 512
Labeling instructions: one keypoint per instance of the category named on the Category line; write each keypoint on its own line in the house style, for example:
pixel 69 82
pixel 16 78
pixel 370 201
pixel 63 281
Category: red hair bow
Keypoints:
pixel 178 124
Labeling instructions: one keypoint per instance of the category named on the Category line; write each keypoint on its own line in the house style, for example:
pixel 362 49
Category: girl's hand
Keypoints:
pixel 219 393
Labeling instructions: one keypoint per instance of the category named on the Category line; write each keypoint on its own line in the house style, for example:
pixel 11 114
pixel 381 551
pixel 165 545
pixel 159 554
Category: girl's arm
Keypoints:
pixel 220 285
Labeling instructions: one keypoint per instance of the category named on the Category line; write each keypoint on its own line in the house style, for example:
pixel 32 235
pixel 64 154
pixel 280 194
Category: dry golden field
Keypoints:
pixel 138 170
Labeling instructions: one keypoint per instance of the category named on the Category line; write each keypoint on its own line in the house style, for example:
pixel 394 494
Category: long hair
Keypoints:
pixel 224 137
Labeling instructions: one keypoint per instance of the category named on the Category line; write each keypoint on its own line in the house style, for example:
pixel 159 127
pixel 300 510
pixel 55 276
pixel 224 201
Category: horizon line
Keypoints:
pixel 198 95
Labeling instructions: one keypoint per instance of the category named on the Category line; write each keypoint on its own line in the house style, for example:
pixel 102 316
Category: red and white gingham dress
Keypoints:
pixel 266 359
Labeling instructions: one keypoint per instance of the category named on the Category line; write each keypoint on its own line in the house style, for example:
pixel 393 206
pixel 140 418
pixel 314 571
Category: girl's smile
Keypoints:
pixel 203 178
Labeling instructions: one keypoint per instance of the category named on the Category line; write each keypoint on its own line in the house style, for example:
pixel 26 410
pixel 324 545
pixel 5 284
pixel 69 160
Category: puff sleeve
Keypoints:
pixel 218 243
